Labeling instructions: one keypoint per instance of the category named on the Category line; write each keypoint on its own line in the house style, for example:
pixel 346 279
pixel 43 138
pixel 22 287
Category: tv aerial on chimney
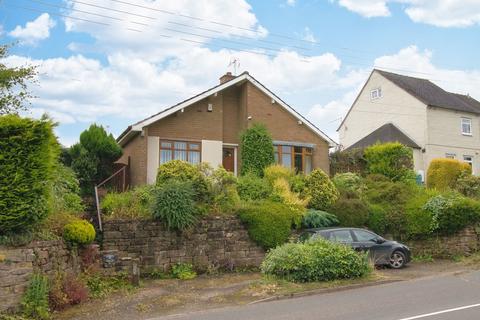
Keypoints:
pixel 235 63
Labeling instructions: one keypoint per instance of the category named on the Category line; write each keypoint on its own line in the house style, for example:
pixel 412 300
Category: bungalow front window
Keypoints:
pixel 298 158
pixel 179 150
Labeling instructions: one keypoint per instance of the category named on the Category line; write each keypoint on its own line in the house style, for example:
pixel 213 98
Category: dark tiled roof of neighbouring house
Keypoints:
pixel 432 95
pixel 386 133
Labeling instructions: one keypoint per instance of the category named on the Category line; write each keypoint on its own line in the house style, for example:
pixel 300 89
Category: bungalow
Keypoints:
pixel 207 127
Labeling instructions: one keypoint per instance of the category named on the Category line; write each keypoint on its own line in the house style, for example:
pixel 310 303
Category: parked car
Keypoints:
pixel 382 251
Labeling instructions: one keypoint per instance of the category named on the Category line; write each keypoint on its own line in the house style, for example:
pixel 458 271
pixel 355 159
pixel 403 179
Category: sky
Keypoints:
pixel 114 62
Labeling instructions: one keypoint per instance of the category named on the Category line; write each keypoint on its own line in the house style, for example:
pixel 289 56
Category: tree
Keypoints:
pixel 92 158
pixel 14 96
pixel 256 149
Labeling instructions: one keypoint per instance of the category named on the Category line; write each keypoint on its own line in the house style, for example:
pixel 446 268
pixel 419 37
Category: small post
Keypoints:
pixel 135 272
pixel 99 214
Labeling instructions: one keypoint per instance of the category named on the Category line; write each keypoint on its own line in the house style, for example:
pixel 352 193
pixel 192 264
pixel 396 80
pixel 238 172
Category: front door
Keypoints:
pixel 229 159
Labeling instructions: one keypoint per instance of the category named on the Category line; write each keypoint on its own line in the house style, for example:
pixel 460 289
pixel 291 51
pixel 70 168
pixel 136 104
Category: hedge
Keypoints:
pixel 27 160
pixel 443 174
pixel 393 160
pixel 256 150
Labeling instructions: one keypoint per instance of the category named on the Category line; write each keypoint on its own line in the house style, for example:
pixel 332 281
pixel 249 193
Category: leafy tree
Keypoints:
pixel 256 149
pixel 393 160
pixel 93 157
pixel 14 95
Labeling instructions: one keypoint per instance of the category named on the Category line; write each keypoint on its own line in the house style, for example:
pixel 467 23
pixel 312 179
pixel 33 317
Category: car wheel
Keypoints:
pixel 397 260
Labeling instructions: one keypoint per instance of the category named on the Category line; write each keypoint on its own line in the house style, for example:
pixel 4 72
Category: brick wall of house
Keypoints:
pixel 136 149
pixel 213 242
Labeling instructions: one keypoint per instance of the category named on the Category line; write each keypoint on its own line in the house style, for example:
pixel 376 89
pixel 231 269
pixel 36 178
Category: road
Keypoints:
pixel 435 298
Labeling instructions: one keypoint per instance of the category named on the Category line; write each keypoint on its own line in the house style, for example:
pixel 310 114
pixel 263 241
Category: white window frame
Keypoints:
pixel 450 155
pixel 466 121
pixel 376 93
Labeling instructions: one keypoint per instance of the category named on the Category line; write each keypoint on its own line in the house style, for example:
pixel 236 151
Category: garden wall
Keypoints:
pixel 464 242
pixel 214 242
pixel 18 264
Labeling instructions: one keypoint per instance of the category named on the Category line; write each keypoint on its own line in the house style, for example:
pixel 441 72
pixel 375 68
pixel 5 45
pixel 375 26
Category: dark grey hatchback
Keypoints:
pixel 382 251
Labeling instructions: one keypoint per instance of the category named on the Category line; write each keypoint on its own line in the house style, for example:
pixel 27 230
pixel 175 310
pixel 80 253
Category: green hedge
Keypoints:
pixel 320 190
pixel 317 260
pixel 442 174
pixel 256 150
pixel 28 153
pixel 393 160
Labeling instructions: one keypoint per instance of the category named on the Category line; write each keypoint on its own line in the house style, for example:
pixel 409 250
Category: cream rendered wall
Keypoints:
pixel 445 136
pixel 153 158
pixel 212 152
pixel 395 106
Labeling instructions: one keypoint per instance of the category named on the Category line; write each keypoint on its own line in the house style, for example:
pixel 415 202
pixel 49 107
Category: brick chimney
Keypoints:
pixel 226 77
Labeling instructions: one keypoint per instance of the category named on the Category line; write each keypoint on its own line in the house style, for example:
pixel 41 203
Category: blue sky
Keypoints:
pixel 135 58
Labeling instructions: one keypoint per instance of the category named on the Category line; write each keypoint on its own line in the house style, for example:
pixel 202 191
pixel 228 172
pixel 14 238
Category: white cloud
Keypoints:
pixel 291 3
pixel 34 31
pixel 441 13
pixel 308 35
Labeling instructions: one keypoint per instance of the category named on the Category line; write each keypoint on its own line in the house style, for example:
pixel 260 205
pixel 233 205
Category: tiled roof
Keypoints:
pixel 386 133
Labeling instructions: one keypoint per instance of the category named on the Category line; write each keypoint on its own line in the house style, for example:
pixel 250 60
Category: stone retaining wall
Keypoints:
pixel 214 242
pixel 18 264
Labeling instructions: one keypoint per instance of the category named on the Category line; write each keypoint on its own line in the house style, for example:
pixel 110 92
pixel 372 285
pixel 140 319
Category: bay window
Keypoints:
pixel 179 150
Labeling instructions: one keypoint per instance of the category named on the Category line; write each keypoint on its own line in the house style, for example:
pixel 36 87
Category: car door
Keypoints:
pixel 341 236
pixel 367 241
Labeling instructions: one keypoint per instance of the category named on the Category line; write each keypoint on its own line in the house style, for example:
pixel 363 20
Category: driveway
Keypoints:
pixel 455 296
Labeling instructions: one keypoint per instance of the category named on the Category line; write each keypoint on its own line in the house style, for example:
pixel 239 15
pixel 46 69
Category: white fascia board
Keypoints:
pixel 293 112
pixel 141 125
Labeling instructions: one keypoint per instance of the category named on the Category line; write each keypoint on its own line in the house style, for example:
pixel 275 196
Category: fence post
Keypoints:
pixel 99 214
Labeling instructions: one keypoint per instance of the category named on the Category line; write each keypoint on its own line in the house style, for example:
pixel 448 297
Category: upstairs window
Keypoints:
pixel 376 94
pixel 179 150
pixel 466 126
pixel 297 158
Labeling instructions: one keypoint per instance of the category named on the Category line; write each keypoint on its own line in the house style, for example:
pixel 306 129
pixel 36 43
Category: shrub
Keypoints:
pixel 320 189
pixel 100 286
pixel 57 297
pixel 93 157
pixel 79 232
pixel 66 191
pixel 392 160
pixel 350 212
pixel 468 185
pixel 297 184
pixel 319 219
pixel 277 171
pixel 132 204
pixel 256 150
pixel 281 193
pixel 419 222
pixel 28 156
pixel 57 221
pixel 75 289
pixel 377 218
pixel 442 174
pixel 183 271
pixel 269 223
pixel 186 172
pixel 174 204
pixel 253 188
pixel 35 299
pixel 349 182
pixel 348 161
pixel 222 185
pixel 315 260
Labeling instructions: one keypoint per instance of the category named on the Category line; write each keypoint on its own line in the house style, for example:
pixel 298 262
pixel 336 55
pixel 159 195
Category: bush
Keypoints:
pixel 419 222
pixel 256 150
pixel 223 186
pixel 56 222
pixel 319 219
pixel 281 193
pixel 377 218
pixel 75 290
pixel 132 204
pixel 393 160
pixel 57 297
pixel 93 157
pixel 253 188
pixel 183 271
pixel 28 157
pixel 174 205
pixel 442 174
pixel 297 184
pixel 348 161
pixel 100 286
pixel 66 191
pixel 35 299
pixel 186 172
pixel 79 232
pixel 349 182
pixel 269 223
pixel 452 212
pixel 350 212
pixel 315 260
pixel 468 185
pixel 277 171
pixel 320 189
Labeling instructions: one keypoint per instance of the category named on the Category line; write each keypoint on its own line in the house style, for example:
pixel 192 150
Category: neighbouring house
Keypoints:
pixel 416 112
pixel 207 127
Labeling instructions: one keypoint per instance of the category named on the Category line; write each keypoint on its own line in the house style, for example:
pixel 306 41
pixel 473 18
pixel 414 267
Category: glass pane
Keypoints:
pixel 343 236
pixel 276 157
pixel 308 164
pixel 286 149
pixel 194 146
pixel 298 163
pixel 298 149
pixel 194 157
pixel 166 145
pixel 180 155
pixel 180 145
pixel 165 156
pixel 287 160
pixel 364 236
